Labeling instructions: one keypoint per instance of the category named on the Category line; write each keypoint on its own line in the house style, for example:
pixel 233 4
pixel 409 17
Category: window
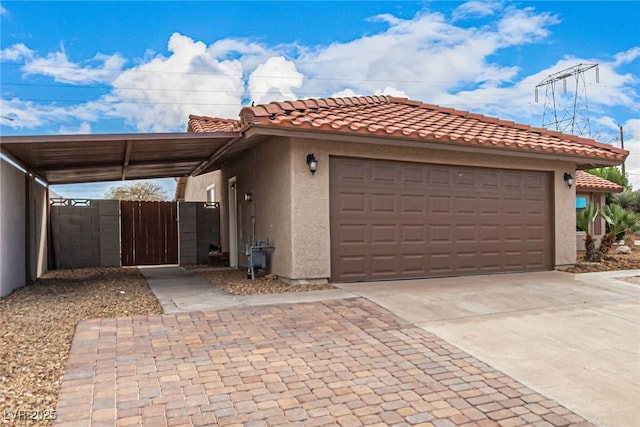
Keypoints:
pixel 211 193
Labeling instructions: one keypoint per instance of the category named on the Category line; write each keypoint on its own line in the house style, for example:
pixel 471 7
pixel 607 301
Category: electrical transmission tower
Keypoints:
pixel 567 111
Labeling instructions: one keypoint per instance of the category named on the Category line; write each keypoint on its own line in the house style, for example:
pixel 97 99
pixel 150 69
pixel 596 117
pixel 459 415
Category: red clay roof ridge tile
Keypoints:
pixel 211 124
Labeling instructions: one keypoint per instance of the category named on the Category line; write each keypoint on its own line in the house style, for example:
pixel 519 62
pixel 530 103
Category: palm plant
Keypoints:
pixel 584 220
pixel 619 220
pixel 628 199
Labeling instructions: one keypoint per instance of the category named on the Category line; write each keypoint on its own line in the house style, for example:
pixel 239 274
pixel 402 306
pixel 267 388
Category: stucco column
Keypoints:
pixel 565 216
pixel 310 215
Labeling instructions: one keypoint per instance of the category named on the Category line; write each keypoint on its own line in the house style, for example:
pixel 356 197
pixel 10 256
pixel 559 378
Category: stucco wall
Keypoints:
pixel 12 228
pixel 273 203
pixel 196 188
pixel 38 246
pixel 267 215
pixel 242 168
pixel 310 221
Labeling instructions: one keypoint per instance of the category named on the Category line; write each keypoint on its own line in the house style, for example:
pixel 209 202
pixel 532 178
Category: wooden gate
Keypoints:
pixel 149 233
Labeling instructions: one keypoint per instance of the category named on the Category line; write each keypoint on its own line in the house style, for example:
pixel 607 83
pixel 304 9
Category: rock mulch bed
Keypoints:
pixel 236 283
pixel 614 263
pixel 37 324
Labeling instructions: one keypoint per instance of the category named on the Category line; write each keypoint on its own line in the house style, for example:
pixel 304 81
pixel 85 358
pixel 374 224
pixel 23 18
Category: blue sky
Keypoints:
pixel 118 67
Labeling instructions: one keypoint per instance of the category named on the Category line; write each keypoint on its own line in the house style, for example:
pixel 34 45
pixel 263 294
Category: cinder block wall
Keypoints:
pixel 199 227
pixel 207 230
pixel 86 236
pixel 109 220
pixel 76 236
pixel 187 239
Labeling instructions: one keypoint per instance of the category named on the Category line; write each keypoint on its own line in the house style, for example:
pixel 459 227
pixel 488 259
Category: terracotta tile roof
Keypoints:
pixel 587 181
pixel 211 124
pixel 412 120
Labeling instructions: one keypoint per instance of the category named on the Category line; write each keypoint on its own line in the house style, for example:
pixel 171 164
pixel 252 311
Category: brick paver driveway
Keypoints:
pixel 344 362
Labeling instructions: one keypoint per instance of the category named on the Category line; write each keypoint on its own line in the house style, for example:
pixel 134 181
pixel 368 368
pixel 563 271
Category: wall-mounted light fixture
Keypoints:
pixel 248 197
pixel 568 179
pixel 312 162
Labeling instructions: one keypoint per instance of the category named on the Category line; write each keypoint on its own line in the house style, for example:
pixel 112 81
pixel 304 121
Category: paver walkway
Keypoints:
pixel 346 362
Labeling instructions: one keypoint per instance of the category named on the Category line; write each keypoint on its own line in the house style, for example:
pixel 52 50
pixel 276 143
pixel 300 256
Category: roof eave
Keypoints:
pixel 582 162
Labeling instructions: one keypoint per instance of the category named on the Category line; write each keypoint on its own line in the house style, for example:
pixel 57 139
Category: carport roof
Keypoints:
pixel 64 159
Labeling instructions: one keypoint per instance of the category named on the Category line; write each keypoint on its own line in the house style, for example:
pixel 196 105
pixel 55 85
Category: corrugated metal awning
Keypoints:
pixel 66 159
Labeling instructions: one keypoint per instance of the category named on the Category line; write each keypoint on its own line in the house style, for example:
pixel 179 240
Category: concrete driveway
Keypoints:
pixel 573 338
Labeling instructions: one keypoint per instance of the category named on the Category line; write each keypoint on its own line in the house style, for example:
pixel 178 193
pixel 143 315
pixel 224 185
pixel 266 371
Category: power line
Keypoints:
pixel 83 101
pixel 266 76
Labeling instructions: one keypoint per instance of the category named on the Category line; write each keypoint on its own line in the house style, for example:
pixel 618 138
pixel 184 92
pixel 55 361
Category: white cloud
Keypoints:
pixel 30 115
pixel 83 128
pixel 58 66
pixel 16 52
pixel 520 26
pixel 627 56
pixel 276 79
pixel 475 9
pixel 425 57
pixel 158 95
pixel 3 11
pixel 250 54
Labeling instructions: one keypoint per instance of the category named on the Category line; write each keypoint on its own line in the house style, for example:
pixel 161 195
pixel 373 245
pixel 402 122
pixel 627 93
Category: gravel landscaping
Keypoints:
pixel 614 263
pixel 37 324
pixel 235 282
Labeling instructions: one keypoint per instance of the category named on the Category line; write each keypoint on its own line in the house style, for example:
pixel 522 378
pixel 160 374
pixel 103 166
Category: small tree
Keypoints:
pixel 612 174
pixel 584 220
pixel 619 220
pixel 628 199
pixel 141 191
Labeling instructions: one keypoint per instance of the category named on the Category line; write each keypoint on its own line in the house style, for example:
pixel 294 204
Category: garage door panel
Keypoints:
pixel 464 179
pixel 400 220
pixel 488 180
pixel 414 263
pixel 384 203
pixel 352 234
pixel 535 182
pixel 383 233
pixel 413 176
pixel 439 205
pixel 412 204
pixel 351 202
pixel 465 205
pixel 439 178
pixel 383 174
pixel 413 233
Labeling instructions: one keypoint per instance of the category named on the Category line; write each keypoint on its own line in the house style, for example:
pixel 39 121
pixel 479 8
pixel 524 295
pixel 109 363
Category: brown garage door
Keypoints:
pixel 402 220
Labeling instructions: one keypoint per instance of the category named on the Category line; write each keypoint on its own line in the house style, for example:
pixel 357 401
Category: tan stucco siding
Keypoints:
pixel 197 186
pixel 310 227
pixel 272 201
pixel 242 169
pixel 264 172
pixel 310 222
